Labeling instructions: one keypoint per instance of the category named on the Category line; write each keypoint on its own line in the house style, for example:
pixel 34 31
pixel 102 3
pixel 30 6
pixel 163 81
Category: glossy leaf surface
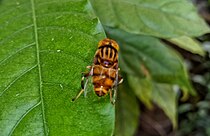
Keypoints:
pixel 45 45
pixel 161 18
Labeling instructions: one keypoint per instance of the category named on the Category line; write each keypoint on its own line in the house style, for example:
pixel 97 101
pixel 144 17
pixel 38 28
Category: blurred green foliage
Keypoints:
pixel 155 72
pixel 195 114
pixel 44 47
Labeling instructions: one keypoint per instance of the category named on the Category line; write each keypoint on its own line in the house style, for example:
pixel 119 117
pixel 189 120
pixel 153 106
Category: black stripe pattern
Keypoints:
pixel 108 53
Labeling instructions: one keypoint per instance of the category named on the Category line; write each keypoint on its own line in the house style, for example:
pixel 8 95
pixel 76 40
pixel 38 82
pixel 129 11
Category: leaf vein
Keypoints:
pixel 14 33
pixel 166 68
pixel 11 10
pixel 21 49
pixel 22 117
pixel 117 16
pixel 16 18
pixel 51 2
pixel 63 13
pixel 38 63
pixel 17 78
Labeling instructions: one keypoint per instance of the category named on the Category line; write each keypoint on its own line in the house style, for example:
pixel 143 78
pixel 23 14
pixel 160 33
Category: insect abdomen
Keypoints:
pixel 101 91
pixel 102 84
pixel 103 79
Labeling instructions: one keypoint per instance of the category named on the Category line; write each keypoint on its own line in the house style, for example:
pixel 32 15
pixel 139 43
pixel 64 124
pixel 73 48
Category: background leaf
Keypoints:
pixel 127 111
pixel 45 45
pixel 164 67
pixel 166 98
pixel 161 18
pixel 161 68
pixel 142 88
pixel 188 44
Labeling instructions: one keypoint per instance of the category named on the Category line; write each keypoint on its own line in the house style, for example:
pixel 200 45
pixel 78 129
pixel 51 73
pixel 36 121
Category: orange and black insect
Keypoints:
pixel 104 71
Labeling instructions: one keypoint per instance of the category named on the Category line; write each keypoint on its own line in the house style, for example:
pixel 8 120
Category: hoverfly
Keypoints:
pixel 104 71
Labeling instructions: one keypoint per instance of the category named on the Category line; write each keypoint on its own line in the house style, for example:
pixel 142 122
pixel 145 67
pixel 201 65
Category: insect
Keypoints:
pixel 104 71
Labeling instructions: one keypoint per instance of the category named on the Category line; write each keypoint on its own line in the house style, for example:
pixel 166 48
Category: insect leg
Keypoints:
pixel 117 82
pixel 78 95
pixel 114 89
pixel 111 98
pixel 81 91
pixel 120 80
pixel 83 86
pixel 114 96
pixel 85 75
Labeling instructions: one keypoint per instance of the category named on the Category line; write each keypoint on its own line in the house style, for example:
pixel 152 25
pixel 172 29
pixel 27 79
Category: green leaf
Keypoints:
pixel 161 63
pixel 127 111
pixel 130 67
pixel 188 44
pixel 142 88
pixel 166 98
pixel 162 69
pixel 45 45
pixel 163 95
pixel 160 18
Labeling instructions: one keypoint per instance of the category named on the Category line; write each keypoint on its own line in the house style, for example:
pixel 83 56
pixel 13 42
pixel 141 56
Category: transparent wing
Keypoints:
pixel 114 89
pixel 88 84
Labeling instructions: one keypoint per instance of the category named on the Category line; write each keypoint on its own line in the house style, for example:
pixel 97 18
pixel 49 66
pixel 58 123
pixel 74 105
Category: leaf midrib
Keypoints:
pixel 38 64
